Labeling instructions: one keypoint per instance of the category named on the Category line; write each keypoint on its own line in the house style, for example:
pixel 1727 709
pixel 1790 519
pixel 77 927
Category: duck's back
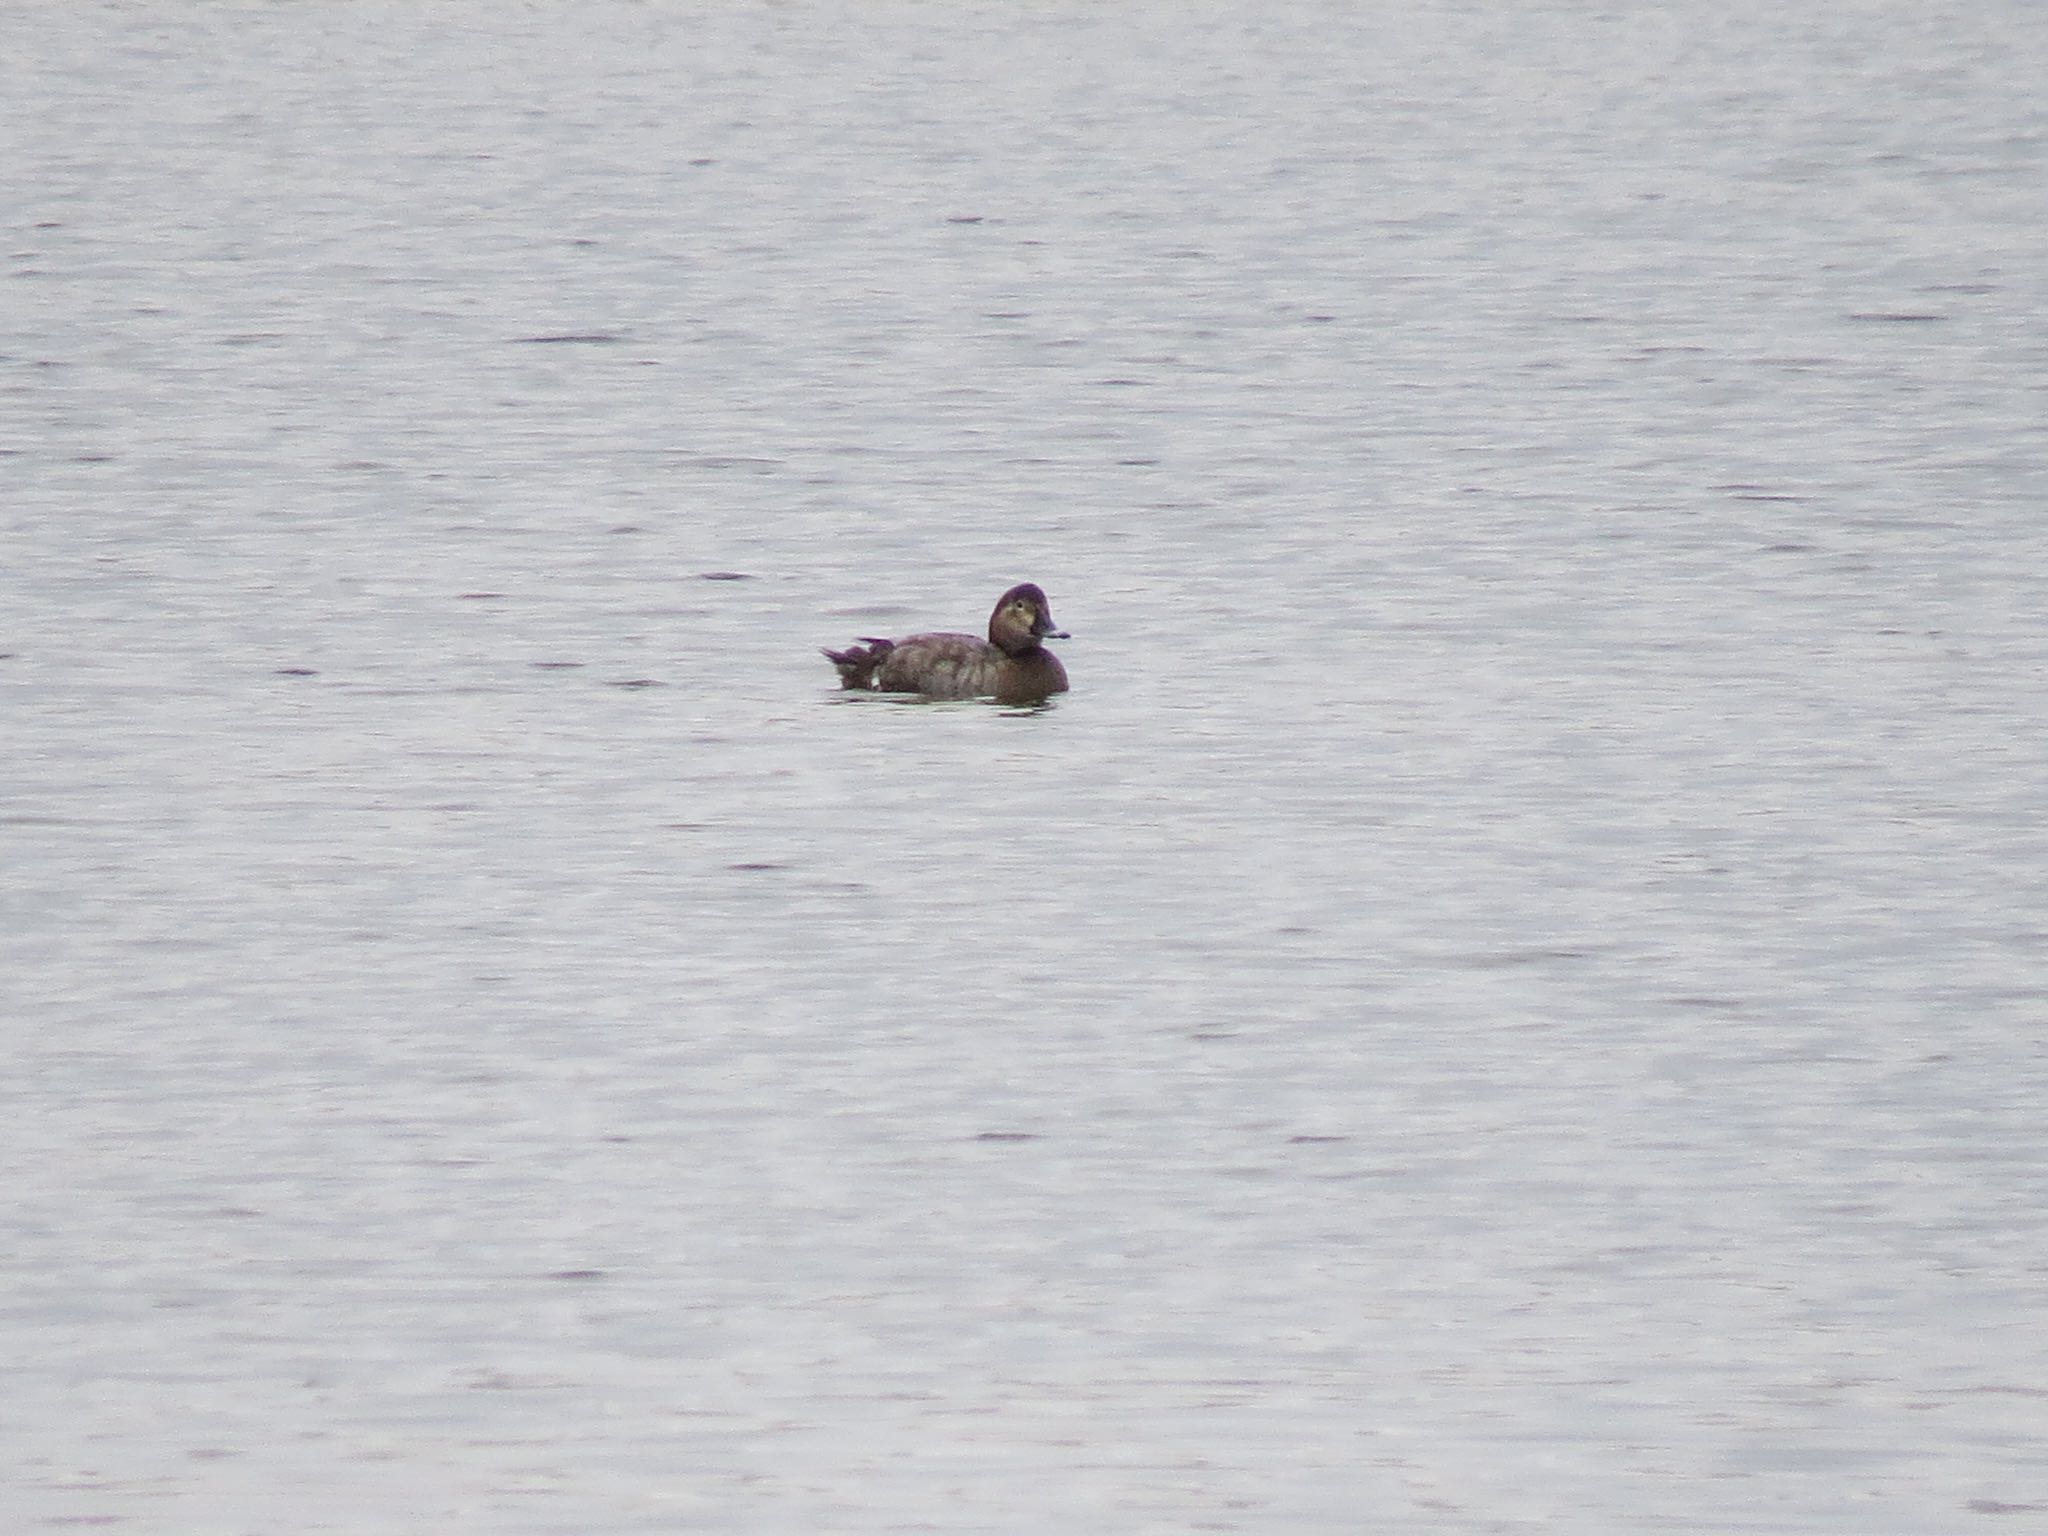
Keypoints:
pixel 942 667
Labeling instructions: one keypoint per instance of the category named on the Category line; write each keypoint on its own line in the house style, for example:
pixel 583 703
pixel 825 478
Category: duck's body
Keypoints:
pixel 1011 666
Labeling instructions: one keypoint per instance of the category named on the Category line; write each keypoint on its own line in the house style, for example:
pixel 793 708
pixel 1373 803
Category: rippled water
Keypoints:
pixel 1509 998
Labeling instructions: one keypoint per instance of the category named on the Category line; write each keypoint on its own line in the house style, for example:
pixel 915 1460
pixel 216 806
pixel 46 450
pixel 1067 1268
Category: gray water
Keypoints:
pixel 1510 997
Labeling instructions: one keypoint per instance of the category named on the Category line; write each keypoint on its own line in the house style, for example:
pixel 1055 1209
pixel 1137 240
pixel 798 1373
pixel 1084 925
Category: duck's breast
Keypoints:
pixel 1030 678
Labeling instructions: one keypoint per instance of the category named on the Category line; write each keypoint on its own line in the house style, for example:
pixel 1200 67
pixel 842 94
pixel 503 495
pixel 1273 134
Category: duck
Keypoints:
pixel 1011 666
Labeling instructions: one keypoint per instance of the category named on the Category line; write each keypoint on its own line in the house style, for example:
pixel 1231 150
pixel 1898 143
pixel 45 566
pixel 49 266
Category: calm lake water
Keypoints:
pixel 1512 997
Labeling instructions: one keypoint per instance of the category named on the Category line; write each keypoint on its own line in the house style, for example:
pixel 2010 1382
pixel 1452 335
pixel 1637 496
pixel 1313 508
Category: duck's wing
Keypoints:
pixel 940 667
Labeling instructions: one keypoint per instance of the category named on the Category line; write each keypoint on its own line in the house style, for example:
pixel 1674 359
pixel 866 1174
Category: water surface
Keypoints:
pixel 1509 998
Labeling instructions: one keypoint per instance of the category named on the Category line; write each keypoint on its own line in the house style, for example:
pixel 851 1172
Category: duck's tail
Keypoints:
pixel 858 664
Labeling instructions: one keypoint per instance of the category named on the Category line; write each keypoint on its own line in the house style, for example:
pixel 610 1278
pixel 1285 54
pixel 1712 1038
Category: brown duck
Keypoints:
pixel 1012 666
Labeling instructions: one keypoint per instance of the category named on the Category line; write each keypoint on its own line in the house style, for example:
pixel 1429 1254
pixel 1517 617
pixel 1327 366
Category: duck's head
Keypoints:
pixel 1022 619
